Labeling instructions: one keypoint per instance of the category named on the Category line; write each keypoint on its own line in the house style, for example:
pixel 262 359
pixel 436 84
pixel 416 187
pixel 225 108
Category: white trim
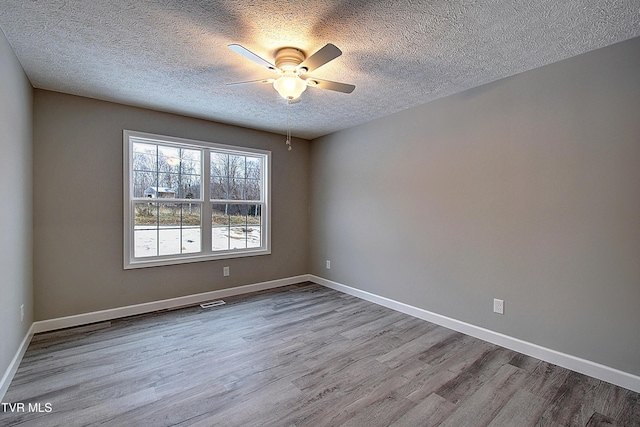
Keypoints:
pixel 206 252
pixel 131 310
pixel 577 364
pixel 583 366
pixel 103 315
pixel 15 363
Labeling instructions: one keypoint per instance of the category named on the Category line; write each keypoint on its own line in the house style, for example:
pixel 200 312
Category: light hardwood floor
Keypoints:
pixel 303 355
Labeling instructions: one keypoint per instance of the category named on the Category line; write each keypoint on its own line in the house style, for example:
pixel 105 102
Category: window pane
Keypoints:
pixel 252 189
pixel 190 188
pixel 236 189
pixel 236 226
pixel 144 161
pixel 219 227
pixel 161 171
pixel 168 241
pixel 237 166
pixel 219 188
pixel 145 214
pixel 219 164
pixel 146 242
pixel 168 184
pixel 144 156
pixel 167 229
pixel 168 215
pixel 254 167
pixel 143 184
pixel 145 230
pixel 235 177
pixel 237 238
pixel 190 172
pixel 191 226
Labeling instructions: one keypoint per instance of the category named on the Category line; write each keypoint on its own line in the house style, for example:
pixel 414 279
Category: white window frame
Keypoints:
pixel 206 253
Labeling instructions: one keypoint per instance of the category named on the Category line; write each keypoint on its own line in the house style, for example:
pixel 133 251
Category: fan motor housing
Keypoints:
pixel 288 58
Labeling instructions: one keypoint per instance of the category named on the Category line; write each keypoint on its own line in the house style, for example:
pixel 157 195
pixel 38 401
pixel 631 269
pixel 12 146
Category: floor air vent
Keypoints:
pixel 212 304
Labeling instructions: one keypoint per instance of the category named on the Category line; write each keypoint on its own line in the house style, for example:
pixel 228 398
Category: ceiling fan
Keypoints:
pixel 292 67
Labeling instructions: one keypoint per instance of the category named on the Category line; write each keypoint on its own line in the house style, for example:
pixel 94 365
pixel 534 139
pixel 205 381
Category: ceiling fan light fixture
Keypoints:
pixel 290 86
pixel 292 66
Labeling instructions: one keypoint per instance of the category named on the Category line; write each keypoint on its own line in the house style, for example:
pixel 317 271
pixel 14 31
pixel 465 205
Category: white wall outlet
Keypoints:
pixel 22 313
pixel 328 265
pixel 498 306
pixel 225 271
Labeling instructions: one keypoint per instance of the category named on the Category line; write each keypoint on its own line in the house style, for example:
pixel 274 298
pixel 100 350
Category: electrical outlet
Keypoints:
pixel 328 265
pixel 22 313
pixel 498 306
pixel 225 271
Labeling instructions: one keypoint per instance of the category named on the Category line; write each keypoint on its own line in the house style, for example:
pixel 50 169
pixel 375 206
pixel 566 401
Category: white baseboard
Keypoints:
pixel 131 310
pixel 15 362
pixel 115 313
pixel 583 366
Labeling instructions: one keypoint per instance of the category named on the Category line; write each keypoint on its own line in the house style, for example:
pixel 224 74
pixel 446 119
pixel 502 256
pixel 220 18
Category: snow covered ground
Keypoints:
pixel 152 241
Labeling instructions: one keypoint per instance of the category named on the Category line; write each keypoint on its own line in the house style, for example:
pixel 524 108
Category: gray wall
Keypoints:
pixel 16 285
pixel 78 208
pixel 525 189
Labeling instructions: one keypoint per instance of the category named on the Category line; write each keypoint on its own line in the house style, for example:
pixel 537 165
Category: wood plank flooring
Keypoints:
pixel 303 355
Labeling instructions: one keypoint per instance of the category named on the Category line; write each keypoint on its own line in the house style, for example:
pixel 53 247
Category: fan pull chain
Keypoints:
pixel 288 142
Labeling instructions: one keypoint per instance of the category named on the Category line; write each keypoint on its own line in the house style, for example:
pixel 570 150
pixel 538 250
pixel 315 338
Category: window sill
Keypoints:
pixel 186 259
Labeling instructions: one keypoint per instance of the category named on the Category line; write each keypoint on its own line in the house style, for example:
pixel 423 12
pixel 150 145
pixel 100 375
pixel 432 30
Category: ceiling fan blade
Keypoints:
pixel 328 53
pixel 252 56
pixel 251 81
pixel 329 85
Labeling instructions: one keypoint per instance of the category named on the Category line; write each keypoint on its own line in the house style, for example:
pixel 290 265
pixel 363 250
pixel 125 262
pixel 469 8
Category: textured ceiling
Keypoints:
pixel 172 55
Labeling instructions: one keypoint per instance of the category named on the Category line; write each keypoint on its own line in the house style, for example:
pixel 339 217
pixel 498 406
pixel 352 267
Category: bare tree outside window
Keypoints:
pixel 235 178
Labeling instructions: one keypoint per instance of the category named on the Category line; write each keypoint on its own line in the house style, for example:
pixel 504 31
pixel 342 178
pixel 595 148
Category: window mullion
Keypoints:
pixel 206 233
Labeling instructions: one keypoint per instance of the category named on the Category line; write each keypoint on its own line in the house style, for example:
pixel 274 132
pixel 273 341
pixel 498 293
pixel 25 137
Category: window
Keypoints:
pixel 187 201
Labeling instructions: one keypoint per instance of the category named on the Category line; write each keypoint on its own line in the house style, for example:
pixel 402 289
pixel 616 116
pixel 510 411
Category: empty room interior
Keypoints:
pixel 401 213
